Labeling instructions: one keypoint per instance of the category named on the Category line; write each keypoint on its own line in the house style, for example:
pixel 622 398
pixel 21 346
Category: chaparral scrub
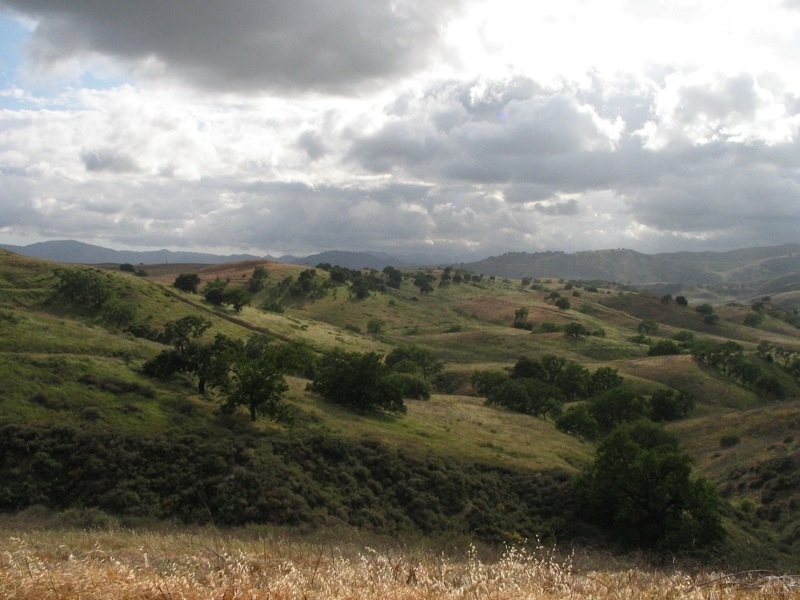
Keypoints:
pixel 129 565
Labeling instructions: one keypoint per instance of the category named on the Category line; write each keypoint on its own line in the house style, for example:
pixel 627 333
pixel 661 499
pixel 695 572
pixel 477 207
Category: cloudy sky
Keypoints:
pixel 455 128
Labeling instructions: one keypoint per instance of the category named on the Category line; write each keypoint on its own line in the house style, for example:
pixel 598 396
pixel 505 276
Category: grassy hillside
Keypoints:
pixel 71 389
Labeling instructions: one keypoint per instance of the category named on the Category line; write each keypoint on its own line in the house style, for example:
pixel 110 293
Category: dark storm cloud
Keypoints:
pixel 246 45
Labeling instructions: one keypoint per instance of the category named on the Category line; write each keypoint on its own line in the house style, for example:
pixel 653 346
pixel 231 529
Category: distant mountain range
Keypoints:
pixel 747 265
pixel 70 251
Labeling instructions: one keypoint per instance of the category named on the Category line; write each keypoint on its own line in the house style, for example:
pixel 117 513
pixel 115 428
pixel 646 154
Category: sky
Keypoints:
pixel 454 129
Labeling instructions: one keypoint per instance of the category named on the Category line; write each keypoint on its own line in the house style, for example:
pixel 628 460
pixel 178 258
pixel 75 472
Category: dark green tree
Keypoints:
pixel 208 361
pixel 527 396
pixel 604 379
pixel 663 348
pixel 394 277
pixel 753 319
pixel 640 488
pixel 88 288
pixel 356 380
pixel 521 318
pixel 552 365
pixel 576 330
pixel 573 381
pixel 563 303
pixel 483 382
pixel 413 385
pixel 670 405
pixel 214 291
pixel 413 356
pixel 259 383
pixel 306 284
pixel 187 282
pixel 258 279
pixel 236 297
pixel 424 281
pixel 211 362
pixel 578 421
pixel 360 288
pixel 647 327
pixel 617 405
pixel 705 309
pixel 181 332
pixel 528 368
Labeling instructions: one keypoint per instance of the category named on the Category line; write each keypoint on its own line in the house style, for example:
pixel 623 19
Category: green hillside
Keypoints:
pixel 85 429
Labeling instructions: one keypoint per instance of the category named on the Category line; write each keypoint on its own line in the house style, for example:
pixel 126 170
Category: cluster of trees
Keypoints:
pixel 661 347
pixel 218 292
pixel 707 311
pixel 606 410
pixel 252 374
pixel 639 486
pixel 249 374
pixel 729 359
pixel 762 308
pixel 542 386
pixel 573 329
pixel 93 290
pixel 129 268
pixel 368 381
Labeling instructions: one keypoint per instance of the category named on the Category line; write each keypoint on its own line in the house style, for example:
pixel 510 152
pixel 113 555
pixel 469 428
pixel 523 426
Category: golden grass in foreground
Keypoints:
pixel 129 565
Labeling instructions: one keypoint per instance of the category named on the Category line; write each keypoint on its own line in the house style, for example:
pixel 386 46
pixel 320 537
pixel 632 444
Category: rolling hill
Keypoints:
pixel 83 427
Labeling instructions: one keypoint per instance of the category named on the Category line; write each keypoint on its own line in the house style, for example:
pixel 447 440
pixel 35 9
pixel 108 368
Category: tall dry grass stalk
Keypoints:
pixel 127 565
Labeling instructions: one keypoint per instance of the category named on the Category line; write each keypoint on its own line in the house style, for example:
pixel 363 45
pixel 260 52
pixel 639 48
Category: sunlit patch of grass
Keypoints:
pixel 459 427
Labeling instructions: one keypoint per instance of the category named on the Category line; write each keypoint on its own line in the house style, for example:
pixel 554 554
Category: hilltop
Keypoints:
pixel 737 273
pixel 75 398
pixel 745 266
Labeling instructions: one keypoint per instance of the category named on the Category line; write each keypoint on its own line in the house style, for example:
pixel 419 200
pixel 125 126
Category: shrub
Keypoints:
pixel 272 306
pixel 119 313
pixel 375 326
pixel 728 440
pixel 563 303
pixel 663 348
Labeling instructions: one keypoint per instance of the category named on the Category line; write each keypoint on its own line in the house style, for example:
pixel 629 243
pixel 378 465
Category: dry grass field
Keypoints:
pixel 126 565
